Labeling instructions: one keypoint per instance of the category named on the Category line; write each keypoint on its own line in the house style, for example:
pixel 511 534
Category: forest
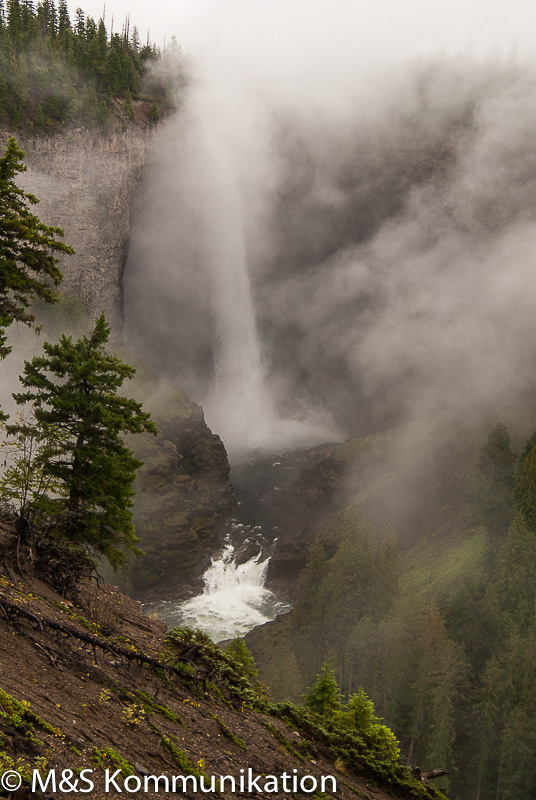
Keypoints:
pixel 438 628
pixel 57 71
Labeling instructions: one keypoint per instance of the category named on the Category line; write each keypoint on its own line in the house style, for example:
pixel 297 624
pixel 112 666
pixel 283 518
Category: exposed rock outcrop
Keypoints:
pixel 85 183
pixel 183 488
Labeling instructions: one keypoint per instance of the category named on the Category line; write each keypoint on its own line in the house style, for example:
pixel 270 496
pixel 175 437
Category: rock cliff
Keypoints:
pixel 85 183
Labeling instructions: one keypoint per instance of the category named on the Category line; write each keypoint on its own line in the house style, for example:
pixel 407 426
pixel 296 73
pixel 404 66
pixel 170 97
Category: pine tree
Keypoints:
pixel 497 481
pixel 239 650
pixel 324 696
pixel 525 491
pixel 80 420
pixel 514 587
pixel 28 266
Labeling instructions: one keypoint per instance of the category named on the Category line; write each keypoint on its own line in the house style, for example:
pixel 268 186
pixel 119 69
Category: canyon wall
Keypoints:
pixel 86 184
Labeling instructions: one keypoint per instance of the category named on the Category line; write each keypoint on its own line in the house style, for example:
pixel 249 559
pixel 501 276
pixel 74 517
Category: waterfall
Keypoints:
pixel 239 396
pixel 234 599
pixel 200 243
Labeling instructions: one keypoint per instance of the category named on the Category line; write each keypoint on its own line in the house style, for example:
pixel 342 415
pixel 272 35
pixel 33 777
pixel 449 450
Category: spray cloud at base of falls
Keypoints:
pixel 309 264
pixel 206 166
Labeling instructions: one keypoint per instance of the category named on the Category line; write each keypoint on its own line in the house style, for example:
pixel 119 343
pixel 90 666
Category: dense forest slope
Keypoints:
pixel 56 71
pixel 434 616
pixel 104 688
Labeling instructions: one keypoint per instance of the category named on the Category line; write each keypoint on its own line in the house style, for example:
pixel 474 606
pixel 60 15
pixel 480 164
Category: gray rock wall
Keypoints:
pixel 85 183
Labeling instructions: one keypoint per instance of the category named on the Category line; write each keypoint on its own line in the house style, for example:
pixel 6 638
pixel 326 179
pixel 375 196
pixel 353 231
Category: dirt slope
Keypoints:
pixel 90 684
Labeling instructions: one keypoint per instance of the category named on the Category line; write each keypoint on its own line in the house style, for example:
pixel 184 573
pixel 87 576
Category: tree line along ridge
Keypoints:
pixel 57 71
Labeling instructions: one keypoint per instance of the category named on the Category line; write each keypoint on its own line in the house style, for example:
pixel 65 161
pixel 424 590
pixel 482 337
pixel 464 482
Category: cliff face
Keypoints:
pixel 182 490
pixel 85 184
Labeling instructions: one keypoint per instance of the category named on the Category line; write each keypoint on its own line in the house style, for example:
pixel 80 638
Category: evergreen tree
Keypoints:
pixel 525 490
pixel 80 420
pixel 359 714
pixel 308 615
pixel 240 651
pixel 28 266
pixel 154 113
pixel 514 588
pixel 438 681
pixel 324 696
pixel 497 473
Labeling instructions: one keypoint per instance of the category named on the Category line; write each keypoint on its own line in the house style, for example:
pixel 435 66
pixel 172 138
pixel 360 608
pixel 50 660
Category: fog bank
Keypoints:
pixel 325 249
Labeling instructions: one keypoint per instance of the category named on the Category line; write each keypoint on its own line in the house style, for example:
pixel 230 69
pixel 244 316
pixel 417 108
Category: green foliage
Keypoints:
pixel 359 714
pixel 25 482
pixel 355 717
pixel 28 264
pixel 360 580
pixel 525 490
pixel 154 113
pixel 229 676
pixel 79 423
pixel 109 757
pixel 497 481
pixel 23 719
pixel 507 706
pixel 54 72
pixel 451 661
pixel 238 650
pixel 187 767
pixel 324 695
pixel 286 743
pixel 228 733
pixel 441 671
pixel 514 587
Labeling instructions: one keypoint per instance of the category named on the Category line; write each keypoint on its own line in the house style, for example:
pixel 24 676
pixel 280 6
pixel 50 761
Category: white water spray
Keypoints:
pixel 239 405
pixel 200 244
pixel 234 599
pixel 239 397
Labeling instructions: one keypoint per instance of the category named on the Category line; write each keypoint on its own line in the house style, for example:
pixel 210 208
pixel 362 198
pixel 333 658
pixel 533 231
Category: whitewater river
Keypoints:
pixel 234 599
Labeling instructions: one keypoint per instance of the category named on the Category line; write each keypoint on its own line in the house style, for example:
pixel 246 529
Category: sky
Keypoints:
pixel 383 26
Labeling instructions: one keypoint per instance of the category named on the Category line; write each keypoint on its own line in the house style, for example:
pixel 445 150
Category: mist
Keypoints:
pixel 327 246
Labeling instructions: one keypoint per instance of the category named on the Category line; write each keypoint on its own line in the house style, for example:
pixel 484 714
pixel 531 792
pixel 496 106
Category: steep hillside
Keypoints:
pixel 91 683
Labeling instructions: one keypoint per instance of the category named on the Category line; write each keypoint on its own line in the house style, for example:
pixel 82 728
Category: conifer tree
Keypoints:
pixel 239 650
pixel 80 420
pixel 525 491
pixel 324 696
pixel 497 481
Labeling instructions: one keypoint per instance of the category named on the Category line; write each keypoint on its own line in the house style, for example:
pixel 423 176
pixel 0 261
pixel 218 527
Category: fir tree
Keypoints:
pixel 80 420
pixel 497 481
pixel 324 696
pixel 525 491
pixel 239 650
